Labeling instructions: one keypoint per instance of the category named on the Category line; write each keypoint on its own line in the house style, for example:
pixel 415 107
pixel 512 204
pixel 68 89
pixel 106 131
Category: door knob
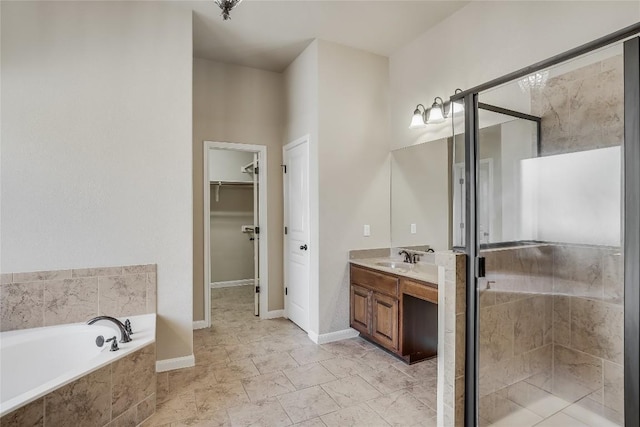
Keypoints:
pixel 303 247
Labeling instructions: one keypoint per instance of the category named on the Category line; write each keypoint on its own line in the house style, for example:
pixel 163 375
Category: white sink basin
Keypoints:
pixel 395 265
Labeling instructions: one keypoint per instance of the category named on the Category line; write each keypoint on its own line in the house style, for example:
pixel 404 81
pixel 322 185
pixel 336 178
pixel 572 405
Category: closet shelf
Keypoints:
pixel 246 214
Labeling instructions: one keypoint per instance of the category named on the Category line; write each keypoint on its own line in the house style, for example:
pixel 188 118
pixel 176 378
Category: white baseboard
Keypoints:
pixel 199 324
pixel 230 283
pixel 273 314
pixel 175 363
pixel 333 336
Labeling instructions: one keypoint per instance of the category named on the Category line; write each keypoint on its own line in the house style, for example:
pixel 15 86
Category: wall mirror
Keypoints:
pixel 420 195
pixel 427 183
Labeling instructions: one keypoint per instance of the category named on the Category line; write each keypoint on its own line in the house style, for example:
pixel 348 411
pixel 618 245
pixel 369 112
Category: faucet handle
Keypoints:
pixel 127 326
pixel 114 344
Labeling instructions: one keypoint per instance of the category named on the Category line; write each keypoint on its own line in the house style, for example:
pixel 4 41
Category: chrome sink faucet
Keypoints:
pixel 125 328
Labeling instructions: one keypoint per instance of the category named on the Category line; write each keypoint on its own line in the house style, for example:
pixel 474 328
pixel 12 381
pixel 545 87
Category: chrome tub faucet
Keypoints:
pixel 125 328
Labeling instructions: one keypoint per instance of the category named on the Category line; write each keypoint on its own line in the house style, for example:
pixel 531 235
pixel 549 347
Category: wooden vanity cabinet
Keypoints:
pixel 374 306
pixel 398 313
pixel 384 322
pixel 361 309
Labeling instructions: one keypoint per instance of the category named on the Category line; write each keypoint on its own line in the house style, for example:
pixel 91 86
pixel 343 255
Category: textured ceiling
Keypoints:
pixel 270 34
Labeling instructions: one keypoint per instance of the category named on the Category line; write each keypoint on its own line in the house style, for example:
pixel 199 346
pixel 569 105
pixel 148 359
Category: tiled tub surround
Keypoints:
pixel 551 335
pixel 46 298
pixel 101 388
pixel 451 279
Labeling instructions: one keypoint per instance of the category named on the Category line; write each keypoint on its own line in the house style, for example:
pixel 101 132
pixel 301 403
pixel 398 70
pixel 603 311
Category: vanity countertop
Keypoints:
pixel 424 272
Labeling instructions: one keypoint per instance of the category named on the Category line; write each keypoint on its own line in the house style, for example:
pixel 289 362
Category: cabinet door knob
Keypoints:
pixel 303 247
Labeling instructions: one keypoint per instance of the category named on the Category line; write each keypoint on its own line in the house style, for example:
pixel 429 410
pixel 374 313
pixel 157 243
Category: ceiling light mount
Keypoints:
pixel 227 6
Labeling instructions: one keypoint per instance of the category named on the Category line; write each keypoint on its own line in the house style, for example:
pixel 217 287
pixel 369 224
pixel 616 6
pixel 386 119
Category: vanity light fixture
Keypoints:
pixel 418 119
pixel 438 112
pixel 458 106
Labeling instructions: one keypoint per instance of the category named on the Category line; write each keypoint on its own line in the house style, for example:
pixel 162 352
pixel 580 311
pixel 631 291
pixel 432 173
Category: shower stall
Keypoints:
pixel 546 196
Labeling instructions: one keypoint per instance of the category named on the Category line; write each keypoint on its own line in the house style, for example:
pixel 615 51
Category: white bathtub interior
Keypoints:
pixel 36 361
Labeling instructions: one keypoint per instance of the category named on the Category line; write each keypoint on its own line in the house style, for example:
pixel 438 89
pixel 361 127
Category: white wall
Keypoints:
pixel 96 163
pixel 301 109
pixel 354 186
pixel 226 165
pixel 224 96
pixel 339 96
pixel 485 40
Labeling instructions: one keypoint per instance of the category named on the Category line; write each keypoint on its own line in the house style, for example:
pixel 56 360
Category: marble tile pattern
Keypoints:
pixel 451 335
pixel 571 108
pixel 370 253
pixel 46 298
pixel 133 379
pixel 122 393
pixel 293 381
pixel 551 317
pixel 32 414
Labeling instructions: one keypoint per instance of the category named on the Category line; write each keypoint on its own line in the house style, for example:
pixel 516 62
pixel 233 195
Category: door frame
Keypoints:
pixel 285 242
pixel 262 221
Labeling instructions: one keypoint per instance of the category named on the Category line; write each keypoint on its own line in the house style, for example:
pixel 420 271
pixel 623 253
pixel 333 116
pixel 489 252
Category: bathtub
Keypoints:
pixel 35 362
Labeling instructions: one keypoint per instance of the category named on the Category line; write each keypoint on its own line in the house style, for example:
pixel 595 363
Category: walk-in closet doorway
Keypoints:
pixel 235 245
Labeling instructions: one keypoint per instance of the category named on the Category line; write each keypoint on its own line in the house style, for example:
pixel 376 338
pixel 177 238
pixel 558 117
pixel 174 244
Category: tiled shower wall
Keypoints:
pixel 582 109
pixel 552 316
pixel 588 326
pixel 45 298
pixel 516 337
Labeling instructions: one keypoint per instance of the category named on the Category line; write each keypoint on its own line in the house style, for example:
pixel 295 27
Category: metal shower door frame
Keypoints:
pixel 631 217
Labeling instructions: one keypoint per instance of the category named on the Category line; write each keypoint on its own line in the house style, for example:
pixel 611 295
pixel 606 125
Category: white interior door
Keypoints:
pixel 256 238
pixel 296 199
pixel 485 200
pixel 458 205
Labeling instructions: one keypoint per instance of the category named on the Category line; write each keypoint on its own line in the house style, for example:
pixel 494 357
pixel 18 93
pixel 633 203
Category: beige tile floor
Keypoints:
pixel 252 372
pixel 525 405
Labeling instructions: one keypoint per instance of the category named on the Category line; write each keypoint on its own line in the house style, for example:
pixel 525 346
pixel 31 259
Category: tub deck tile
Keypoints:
pixel 86 401
pixel 31 414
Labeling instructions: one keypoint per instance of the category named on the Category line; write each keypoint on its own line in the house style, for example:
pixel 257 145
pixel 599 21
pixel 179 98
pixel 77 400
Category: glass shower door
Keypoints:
pixel 549 181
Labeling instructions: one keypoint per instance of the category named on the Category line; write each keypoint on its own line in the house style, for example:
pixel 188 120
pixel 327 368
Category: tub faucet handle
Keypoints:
pixel 127 326
pixel 114 344
pixel 123 331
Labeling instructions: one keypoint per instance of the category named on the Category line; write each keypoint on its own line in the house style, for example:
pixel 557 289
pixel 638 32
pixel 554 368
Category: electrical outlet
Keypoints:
pixel 367 230
pixel 413 229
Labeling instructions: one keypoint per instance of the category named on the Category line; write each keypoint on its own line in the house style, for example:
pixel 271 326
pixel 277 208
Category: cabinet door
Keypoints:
pixel 385 320
pixel 361 309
